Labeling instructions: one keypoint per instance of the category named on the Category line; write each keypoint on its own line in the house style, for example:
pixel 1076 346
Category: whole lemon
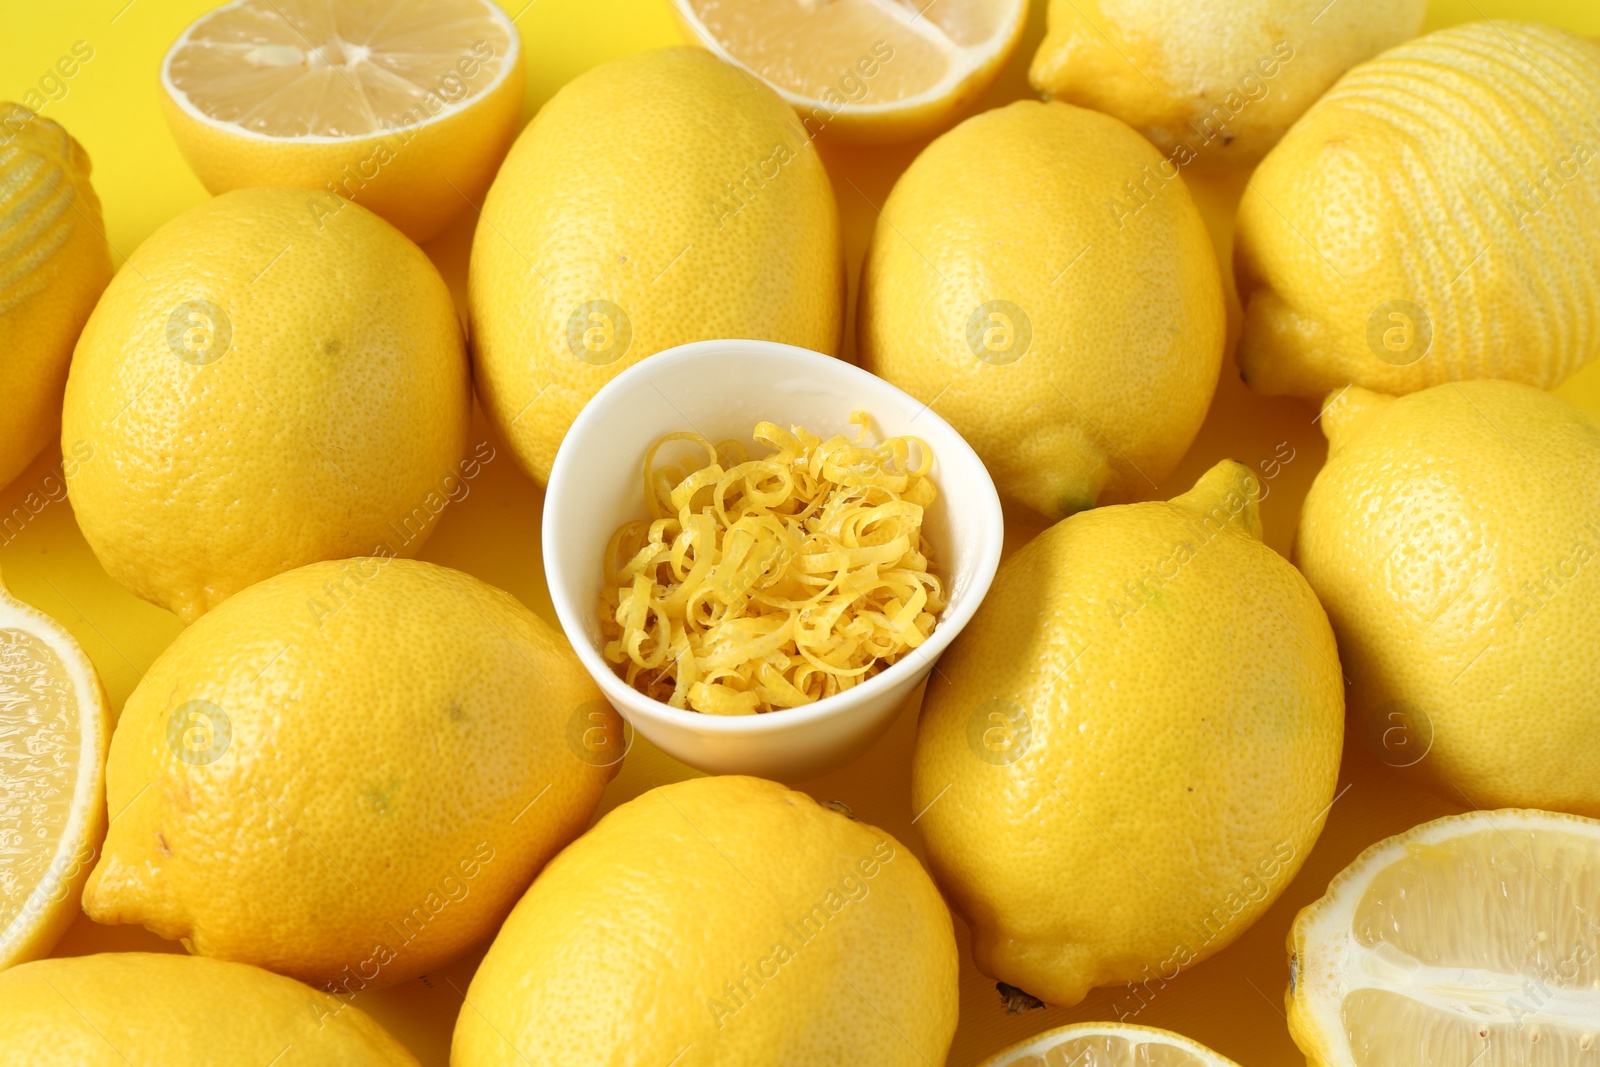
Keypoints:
pixel 1069 327
pixel 1129 753
pixel 1212 85
pixel 53 266
pixel 262 387
pixel 117 1008
pixel 1454 537
pixel 348 772
pixel 658 199
pixel 1425 221
pixel 720 922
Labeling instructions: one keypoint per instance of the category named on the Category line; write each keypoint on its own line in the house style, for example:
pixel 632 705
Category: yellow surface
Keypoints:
pixel 1232 1002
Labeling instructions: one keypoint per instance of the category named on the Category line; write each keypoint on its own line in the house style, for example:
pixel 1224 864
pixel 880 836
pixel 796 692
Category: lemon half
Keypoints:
pixel 1467 940
pixel 54 725
pixel 406 108
pixel 1107 1045
pixel 879 70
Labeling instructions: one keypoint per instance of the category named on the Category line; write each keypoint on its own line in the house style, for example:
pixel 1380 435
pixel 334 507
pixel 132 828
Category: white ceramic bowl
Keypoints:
pixel 722 389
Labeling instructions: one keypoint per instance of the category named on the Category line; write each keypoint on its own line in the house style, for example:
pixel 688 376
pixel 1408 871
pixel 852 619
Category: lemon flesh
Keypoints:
pixel 54 263
pixel 1424 221
pixel 1107 1045
pixel 117 1008
pixel 1469 939
pixel 54 726
pixel 404 107
pixel 863 70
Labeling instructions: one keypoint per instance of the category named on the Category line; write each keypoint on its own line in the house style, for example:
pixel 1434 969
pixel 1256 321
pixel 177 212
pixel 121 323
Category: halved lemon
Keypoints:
pixel 406 107
pixel 54 726
pixel 1108 1045
pixel 1469 940
pixel 864 70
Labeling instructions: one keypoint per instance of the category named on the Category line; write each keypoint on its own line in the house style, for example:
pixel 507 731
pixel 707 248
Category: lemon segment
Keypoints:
pixel 1107 1045
pixel 1469 939
pixel 54 725
pixel 863 69
pixel 406 108
pixel 54 263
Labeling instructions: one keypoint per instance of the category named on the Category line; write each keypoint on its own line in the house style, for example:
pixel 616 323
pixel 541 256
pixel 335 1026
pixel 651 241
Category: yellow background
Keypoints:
pixel 1232 1002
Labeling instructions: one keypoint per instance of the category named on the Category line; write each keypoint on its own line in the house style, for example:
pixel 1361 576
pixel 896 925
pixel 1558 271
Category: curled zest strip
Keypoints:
pixel 768 583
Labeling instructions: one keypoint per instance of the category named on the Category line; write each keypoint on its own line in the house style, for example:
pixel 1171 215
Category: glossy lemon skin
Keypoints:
pixel 1131 750
pixel 116 1008
pixel 1070 329
pixel 751 924
pixel 260 388
pixel 1454 538
pixel 658 199
pixel 348 773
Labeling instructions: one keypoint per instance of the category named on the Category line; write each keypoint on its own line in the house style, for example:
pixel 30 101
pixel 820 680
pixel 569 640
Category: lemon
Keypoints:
pixel 1129 753
pixel 1454 538
pixel 53 267
pixel 54 725
pixel 1469 939
pixel 1069 329
pixel 701 211
pixel 406 108
pixel 260 389
pixel 118 1008
pixel 1107 1045
pixel 349 772
pixel 1212 85
pixel 720 921
pixel 1422 222
pixel 863 70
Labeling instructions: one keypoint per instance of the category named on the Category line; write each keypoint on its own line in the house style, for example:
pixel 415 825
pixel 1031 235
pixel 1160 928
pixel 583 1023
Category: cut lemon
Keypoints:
pixel 54 726
pixel 1107 1045
pixel 406 107
pixel 864 70
pixel 1473 939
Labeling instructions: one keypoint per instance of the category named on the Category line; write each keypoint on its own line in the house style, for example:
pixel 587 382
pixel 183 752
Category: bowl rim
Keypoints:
pixel 984 509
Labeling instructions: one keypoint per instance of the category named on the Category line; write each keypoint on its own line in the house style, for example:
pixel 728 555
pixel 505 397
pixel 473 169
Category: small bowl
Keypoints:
pixel 722 389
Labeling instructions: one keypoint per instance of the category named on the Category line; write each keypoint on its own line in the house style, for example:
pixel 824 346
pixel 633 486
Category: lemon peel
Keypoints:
pixel 776 581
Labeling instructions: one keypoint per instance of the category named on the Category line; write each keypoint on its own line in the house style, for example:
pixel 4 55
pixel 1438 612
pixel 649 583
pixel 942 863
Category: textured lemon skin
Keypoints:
pixel 1126 311
pixel 399 767
pixel 115 1008
pixel 406 178
pixel 1183 694
pixel 326 428
pixel 701 211
pixel 1211 85
pixel 1454 538
pixel 688 890
pixel 54 264
pixel 33 938
pixel 1455 174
